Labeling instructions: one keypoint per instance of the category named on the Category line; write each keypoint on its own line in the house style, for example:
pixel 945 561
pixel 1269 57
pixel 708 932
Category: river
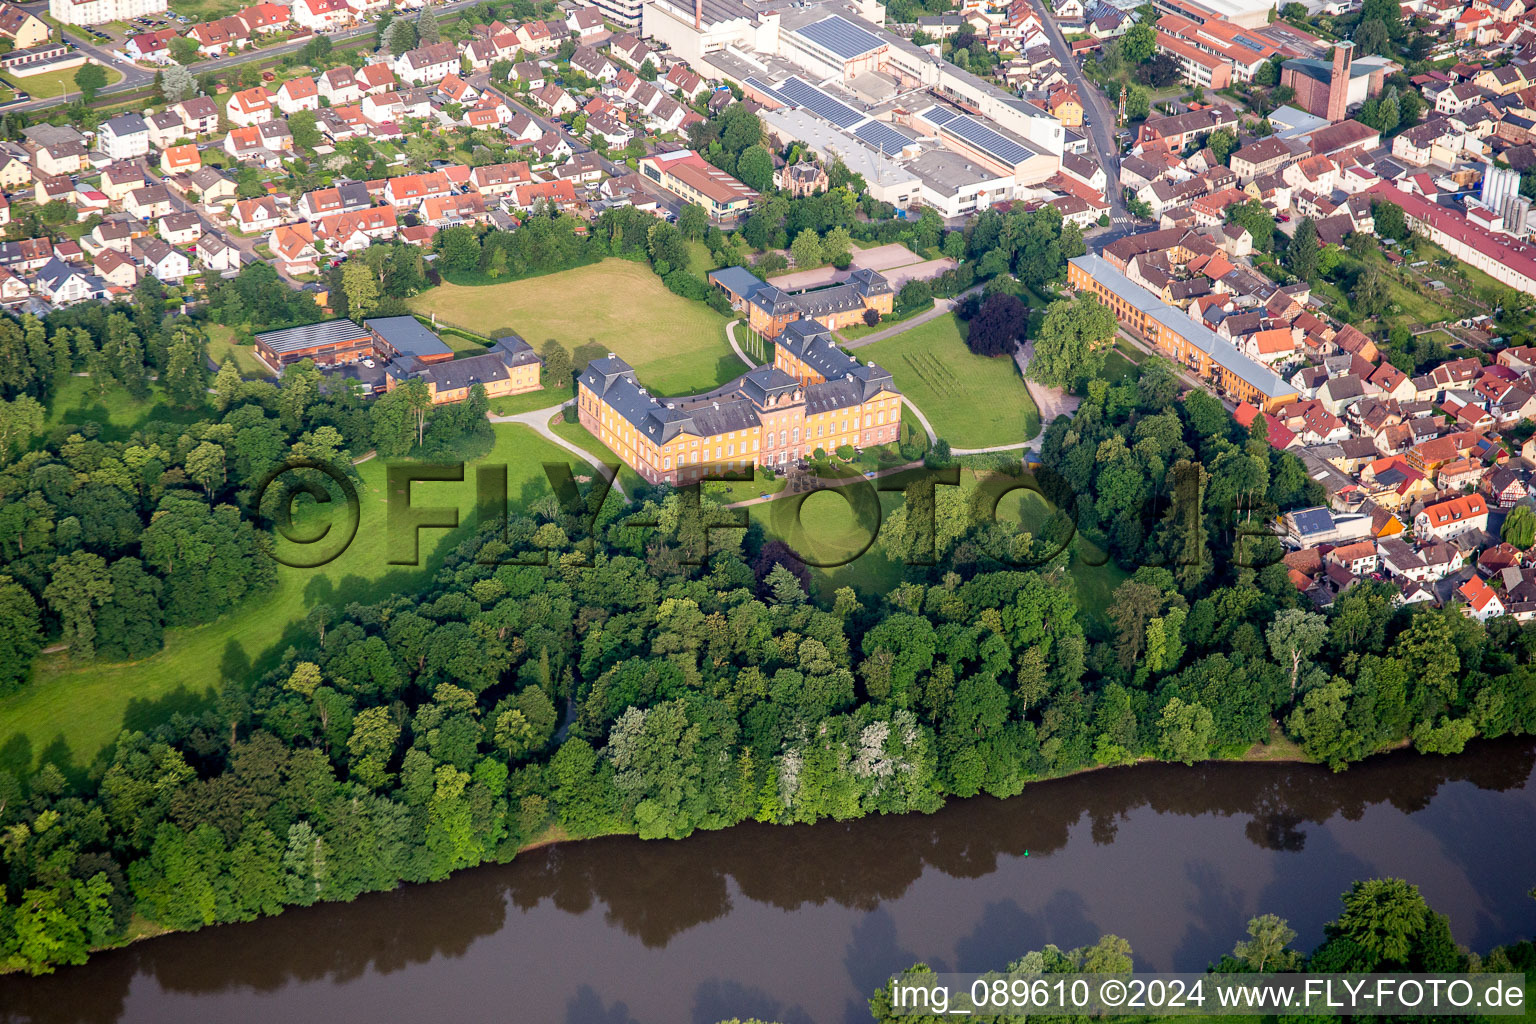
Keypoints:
pixel 800 924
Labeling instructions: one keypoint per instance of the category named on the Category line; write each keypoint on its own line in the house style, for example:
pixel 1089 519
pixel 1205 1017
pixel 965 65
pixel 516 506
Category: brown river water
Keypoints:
pixel 799 924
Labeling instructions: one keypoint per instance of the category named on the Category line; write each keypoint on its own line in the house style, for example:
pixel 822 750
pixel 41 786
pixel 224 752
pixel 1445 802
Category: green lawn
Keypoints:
pixel 83 706
pixel 513 405
pixel 971 401
pixel 700 260
pixel 675 345
pixel 56 83
pixel 118 412
pixel 582 438
pixel 886 323
pixel 221 346
pixel 824 530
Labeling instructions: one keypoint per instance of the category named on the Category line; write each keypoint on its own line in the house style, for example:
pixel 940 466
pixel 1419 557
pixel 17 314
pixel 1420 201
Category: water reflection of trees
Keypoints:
pixel 656 891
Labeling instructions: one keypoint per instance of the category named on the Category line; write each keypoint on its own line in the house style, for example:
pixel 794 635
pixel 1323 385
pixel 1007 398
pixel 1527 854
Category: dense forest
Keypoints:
pixel 109 537
pixel 614 687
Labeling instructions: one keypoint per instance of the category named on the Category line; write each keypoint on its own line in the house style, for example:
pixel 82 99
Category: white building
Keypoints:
pixel 98 12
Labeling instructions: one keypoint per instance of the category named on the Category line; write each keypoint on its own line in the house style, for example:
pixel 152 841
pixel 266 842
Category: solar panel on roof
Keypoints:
pixel 988 141
pixel 763 87
pixel 819 103
pixel 939 116
pixel 882 136
pixel 841 36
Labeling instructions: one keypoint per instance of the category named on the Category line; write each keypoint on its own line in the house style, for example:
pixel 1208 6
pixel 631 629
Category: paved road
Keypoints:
pixel 1101 138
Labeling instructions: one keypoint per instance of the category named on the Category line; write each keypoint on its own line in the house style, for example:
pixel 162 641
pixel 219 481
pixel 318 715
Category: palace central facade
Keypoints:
pixel 814 395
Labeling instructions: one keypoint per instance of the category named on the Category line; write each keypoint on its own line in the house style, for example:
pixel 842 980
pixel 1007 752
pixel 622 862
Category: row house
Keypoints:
pixel 447 211
pixel 342 198
pixel 357 229
pixel 500 179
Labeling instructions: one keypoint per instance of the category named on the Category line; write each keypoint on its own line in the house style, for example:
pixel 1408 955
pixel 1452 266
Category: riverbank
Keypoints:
pixel 1279 749
pixel 801 923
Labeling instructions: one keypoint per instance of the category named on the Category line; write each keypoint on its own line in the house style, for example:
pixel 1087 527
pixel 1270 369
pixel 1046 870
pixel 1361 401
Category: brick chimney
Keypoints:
pixel 1338 82
pixel 698 14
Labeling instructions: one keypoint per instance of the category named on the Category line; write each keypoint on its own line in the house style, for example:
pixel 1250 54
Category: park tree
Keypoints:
pixel 1267 946
pixel 427 29
pixel 1138 103
pixel 1371 36
pixel 184 377
pixel 1259 223
pixel 1222 144
pixel 806 250
pixel 184 50
pixel 557 364
pixel 1383 917
pixel 78 585
pixel 21 419
pixel 1370 292
pixel 1184 731
pixel 21 635
pixel 998 326
pixel 1295 636
pixel 400 36
pixel 89 80
pixel 693 222
pixel 1072 341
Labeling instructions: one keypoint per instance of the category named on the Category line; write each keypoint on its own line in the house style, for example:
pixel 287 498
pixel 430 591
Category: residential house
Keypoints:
pixel 179 159
pixel 260 214
pixel 200 115
pixel 293 248
pixel 63 284
pixel 427 64
pixel 161 260
pixel 339 86
pixel 116 269
pixel 181 228
pixel 1452 518
pixel 298 94
pixel 321 15
pixel 250 107
pixel 217 255
pixel 124 137
pixel 148 203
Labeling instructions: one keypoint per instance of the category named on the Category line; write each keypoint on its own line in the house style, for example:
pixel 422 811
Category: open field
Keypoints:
pixel 675 345
pixel 971 401
pixel 118 412
pixel 79 708
pixel 56 83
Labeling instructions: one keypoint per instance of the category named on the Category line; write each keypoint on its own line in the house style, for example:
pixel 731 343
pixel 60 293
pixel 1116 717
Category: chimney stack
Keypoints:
pixel 698 14
pixel 1338 82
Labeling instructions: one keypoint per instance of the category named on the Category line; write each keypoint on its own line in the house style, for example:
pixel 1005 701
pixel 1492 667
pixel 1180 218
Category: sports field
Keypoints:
pixel 674 344
pixel 971 401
